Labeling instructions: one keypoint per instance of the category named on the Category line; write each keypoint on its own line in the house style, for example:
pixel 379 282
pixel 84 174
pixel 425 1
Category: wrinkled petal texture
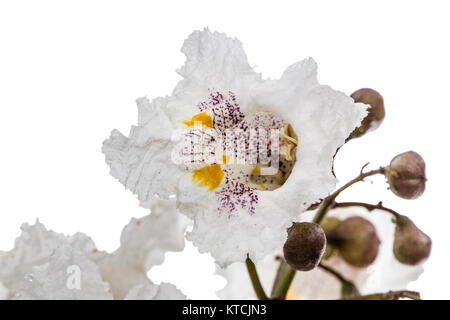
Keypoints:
pixel 164 291
pixel 234 220
pixel 48 265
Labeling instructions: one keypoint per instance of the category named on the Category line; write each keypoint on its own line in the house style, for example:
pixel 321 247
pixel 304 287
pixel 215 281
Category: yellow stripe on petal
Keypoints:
pixel 203 117
pixel 225 159
pixel 255 170
pixel 209 176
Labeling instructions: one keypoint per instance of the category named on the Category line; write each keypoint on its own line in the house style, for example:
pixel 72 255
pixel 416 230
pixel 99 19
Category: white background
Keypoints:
pixel 70 72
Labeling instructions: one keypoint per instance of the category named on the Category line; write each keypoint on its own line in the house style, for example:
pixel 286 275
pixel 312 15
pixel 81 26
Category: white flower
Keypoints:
pixel 385 274
pixel 48 265
pixel 4 292
pixel 52 279
pixel 143 244
pixel 237 208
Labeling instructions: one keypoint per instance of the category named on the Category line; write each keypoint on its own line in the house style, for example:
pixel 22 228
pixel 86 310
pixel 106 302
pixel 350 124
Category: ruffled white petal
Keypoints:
pixel 34 248
pixel 41 264
pixel 230 238
pixel 143 244
pixel 164 291
pixel 141 162
pixel 213 61
pixel 52 280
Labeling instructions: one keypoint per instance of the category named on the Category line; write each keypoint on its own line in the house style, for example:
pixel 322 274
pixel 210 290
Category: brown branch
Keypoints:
pixel 391 295
pixel 348 288
pixel 368 206
pixel 328 201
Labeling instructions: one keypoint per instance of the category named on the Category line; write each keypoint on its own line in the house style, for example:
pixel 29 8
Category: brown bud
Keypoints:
pixel 406 175
pixel 357 241
pixel 304 246
pixel 375 114
pixel 411 245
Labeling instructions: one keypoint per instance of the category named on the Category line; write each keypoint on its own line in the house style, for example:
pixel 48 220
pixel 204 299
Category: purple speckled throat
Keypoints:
pixel 239 190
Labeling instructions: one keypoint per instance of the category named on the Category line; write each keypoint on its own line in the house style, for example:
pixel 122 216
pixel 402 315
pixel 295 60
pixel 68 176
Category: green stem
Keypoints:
pixel 283 281
pixel 348 288
pixel 333 272
pixel 391 295
pixel 328 201
pixel 259 290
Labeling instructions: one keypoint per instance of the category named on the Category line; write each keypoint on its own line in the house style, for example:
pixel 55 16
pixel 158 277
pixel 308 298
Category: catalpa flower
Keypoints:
pixel 48 265
pixel 384 274
pixel 243 155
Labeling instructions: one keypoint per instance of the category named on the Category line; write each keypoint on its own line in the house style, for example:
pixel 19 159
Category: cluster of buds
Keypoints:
pixel 355 239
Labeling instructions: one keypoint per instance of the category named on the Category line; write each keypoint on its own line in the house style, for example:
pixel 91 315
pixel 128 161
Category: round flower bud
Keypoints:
pixel 411 245
pixel 375 114
pixel 357 241
pixel 406 175
pixel 304 246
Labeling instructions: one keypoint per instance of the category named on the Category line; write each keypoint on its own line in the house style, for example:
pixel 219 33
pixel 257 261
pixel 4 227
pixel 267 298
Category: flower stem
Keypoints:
pixel 348 288
pixel 328 201
pixel 259 290
pixel 283 280
pixel 391 295
pixel 333 272
pixel 368 206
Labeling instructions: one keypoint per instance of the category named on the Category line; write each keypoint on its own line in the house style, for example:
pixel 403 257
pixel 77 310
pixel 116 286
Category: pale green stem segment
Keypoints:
pixel 348 288
pixel 259 290
pixel 283 280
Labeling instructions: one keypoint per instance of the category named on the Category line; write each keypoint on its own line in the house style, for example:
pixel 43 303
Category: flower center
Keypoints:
pixel 275 145
pixel 241 154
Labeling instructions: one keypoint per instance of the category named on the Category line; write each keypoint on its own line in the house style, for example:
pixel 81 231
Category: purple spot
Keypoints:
pixel 235 195
pixel 225 110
